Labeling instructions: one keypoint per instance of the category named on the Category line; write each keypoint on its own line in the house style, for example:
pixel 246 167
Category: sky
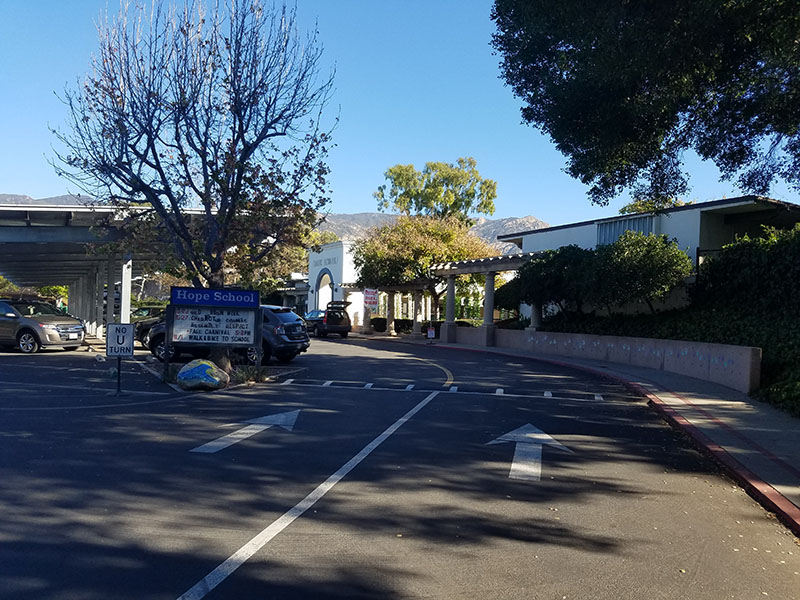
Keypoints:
pixel 415 81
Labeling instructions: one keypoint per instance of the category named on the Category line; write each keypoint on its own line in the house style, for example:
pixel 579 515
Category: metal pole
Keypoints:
pixel 119 375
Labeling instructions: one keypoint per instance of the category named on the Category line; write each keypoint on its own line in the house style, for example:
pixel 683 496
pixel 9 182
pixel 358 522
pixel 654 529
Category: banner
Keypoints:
pixel 371 299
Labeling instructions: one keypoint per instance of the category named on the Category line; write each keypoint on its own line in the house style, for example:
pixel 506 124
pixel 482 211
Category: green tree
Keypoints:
pixel 563 277
pixel 650 205
pixel 6 287
pixel 625 88
pixel 639 267
pixel 405 251
pixel 53 291
pixel 439 190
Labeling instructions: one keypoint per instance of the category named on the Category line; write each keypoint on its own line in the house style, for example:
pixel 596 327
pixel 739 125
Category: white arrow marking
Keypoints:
pixel 285 420
pixel 527 463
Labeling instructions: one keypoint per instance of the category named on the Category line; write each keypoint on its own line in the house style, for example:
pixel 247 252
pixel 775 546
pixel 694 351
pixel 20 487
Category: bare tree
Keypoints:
pixel 207 118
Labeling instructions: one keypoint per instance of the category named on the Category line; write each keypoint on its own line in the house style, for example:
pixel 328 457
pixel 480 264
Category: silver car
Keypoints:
pixel 31 325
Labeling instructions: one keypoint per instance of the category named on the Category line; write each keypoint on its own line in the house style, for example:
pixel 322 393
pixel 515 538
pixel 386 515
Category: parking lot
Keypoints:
pixel 374 470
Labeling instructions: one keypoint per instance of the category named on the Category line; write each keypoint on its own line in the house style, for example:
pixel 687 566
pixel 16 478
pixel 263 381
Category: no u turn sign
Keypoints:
pixel 119 339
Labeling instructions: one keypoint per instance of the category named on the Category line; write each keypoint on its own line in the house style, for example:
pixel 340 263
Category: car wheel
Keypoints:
pixel 158 348
pixel 252 355
pixel 343 334
pixel 322 333
pixel 285 358
pixel 28 343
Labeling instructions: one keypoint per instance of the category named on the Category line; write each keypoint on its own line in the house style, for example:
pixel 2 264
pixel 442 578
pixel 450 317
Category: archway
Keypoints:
pixel 324 288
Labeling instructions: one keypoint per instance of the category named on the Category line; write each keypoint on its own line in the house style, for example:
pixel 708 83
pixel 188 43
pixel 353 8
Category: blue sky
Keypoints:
pixel 416 81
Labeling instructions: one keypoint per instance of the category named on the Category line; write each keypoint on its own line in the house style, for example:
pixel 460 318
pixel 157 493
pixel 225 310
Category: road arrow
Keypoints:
pixel 527 463
pixel 285 420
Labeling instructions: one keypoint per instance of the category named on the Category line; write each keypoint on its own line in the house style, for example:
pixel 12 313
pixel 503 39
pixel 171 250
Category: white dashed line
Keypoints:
pixel 548 394
pixel 327 384
pixel 288 382
pixel 499 391
pixel 368 386
pixel 598 397
pixel 453 388
pixel 410 386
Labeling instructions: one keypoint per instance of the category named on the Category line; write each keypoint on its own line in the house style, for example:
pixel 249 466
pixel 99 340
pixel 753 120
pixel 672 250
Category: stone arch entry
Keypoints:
pixel 324 288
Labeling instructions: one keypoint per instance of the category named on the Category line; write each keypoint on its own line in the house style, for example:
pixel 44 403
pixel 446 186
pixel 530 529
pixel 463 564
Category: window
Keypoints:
pixel 610 231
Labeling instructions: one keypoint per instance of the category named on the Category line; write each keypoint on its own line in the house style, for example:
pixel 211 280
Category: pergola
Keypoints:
pixel 57 244
pixel 490 267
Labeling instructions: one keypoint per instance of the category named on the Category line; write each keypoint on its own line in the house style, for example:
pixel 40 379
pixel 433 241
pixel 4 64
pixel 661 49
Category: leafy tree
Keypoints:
pixel 439 190
pixel 6 287
pixel 405 251
pixel 650 205
pixel 639 267
pixel 215 110
pixel 759 273
pixel 53 291
pixel 625 88
pixel 563 277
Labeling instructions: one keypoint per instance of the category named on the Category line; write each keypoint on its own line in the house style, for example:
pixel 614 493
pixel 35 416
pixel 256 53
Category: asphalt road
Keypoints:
pixel 377 479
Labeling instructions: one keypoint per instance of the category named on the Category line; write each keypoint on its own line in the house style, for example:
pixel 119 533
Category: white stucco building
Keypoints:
pixel 332 276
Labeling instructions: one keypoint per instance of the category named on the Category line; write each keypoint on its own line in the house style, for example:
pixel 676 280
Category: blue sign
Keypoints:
pixel 186 296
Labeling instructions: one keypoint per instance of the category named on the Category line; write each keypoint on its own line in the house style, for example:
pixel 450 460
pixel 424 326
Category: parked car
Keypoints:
pixel 31 325
pixel 334 319
pixel 144 318
pixel 284 336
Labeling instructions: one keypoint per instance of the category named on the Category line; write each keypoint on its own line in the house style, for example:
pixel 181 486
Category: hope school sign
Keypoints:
pixel 209 317
pixel 186 296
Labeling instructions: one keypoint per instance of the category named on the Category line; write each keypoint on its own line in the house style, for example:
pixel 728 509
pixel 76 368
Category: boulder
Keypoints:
pixel 202 375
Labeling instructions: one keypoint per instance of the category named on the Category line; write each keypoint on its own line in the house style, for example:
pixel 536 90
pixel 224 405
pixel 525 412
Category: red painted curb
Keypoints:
pixel 766 495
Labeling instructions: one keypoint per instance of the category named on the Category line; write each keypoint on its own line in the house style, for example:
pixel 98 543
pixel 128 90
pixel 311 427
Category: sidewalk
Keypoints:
pixel 758 445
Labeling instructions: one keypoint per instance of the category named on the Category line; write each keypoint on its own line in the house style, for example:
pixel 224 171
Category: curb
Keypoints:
pixel 766 495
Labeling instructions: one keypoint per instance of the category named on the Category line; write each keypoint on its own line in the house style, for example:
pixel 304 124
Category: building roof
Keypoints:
pixel 712 204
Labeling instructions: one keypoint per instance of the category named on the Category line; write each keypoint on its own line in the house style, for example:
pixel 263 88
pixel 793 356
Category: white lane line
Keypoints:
pixel 288 381
pixel 548 394
pixel 499 391
pixel 238 558
pixel 598 397
pixel 368 386
pixel 410 386
pixel 327 384
pixel 453 388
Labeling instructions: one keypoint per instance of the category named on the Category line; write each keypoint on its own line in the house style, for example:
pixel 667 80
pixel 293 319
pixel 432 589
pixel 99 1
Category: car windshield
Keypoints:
pixel 144 312
pixel 35 309
pixel 314 314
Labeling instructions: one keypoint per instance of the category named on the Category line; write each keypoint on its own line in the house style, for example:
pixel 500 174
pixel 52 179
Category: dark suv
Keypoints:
pixel 32 324
pixel 284 337
pixel 332 320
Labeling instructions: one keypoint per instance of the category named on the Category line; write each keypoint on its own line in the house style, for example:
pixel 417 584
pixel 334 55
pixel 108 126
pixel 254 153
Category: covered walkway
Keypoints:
pixel 62 243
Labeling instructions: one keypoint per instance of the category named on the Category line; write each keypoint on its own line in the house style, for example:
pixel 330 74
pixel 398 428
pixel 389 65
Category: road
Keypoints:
pixel 373 470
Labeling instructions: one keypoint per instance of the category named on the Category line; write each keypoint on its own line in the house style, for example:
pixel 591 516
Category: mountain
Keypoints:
pixel 350 227
pixel 67 199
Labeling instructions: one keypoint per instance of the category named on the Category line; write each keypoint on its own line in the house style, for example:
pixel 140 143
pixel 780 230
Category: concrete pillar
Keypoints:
pixel 98 301
pixel 536 317
pixel 488 310
pixel 111 278
pixel 417 328
pixel 91 325
pixel 125 290
pixel 390 306
pixel 448 331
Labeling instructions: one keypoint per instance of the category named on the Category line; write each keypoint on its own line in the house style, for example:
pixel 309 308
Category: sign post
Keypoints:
pixel 119 343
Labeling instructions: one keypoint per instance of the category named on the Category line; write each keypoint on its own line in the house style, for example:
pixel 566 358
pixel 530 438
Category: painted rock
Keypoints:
pixel 202 375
